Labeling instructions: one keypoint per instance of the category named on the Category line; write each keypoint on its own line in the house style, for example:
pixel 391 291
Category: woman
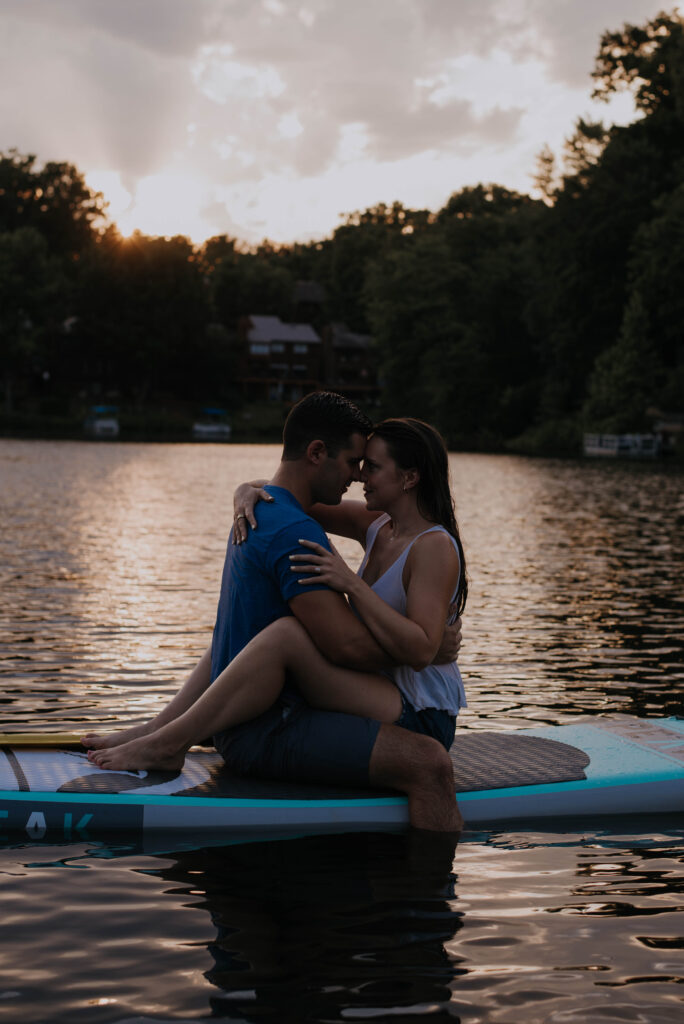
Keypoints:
pixel 411 580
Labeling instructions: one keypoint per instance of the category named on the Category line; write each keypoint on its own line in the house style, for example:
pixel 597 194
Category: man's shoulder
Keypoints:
pixel 282 512
pixel 282 522
pixel 295 523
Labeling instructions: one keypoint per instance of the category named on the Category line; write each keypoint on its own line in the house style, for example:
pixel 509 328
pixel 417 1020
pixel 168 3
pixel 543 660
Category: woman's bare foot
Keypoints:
pixel 146 752
pixel 101 741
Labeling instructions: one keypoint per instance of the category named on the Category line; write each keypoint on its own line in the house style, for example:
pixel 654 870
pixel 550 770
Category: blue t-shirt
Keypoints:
pixel 257 582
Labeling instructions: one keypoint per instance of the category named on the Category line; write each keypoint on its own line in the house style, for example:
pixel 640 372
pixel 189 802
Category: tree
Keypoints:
pixel 583 151
pixel 613 180
pixel 582 254
pixel 656 271
pixel 648 60
pixel 489 231
pixel 445 305
pixel 545 178
pixel 54 200
pixel 248 283
pixel 624 380
pixel 142 309
pixel 355 244
pixel 32 302
pixel 408 297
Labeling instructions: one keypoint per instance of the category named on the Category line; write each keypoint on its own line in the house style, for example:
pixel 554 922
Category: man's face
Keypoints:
pixel 338 472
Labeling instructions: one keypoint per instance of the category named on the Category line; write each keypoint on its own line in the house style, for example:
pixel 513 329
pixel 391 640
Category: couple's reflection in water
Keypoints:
pixel 328 927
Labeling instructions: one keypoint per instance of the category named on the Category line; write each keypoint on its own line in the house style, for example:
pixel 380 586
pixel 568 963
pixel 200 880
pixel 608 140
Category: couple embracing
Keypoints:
pixel 302 683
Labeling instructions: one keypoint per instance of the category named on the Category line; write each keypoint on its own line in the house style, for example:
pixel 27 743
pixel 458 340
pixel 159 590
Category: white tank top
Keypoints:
pixel 437 686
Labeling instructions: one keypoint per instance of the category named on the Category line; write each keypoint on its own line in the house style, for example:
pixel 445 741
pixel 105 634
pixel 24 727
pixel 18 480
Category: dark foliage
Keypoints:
pixel 503 319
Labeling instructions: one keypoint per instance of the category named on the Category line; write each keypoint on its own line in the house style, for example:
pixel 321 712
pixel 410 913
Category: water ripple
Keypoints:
pixel 110 557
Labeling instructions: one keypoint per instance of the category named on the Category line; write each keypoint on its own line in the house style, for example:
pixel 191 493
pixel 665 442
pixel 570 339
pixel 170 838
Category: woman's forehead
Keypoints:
pixel 376 449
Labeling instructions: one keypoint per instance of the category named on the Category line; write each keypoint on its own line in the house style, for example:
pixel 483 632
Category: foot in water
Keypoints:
pixel 145 752
pixel 102 741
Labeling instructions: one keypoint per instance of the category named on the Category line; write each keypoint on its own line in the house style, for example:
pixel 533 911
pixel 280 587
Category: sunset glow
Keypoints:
pixel 273 120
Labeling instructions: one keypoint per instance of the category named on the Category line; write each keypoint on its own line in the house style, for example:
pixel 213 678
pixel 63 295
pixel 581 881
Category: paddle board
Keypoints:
pixel 595 766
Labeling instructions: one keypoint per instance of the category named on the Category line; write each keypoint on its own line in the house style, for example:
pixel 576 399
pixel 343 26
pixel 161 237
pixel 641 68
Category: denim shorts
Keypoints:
pixel 431 722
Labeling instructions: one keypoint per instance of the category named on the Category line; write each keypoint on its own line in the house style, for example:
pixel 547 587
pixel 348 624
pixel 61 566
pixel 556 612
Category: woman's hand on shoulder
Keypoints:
pixel 245 497
pixel 319 565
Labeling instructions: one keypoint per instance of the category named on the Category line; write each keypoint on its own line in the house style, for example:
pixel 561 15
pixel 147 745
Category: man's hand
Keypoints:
pixel 244 499
pixel 450 645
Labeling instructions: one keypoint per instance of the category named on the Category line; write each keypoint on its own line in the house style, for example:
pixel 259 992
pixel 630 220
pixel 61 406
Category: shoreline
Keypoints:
pixel 262 423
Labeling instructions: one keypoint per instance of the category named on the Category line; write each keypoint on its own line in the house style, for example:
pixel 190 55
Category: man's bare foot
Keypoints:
pixel 145 752
pixel 101 741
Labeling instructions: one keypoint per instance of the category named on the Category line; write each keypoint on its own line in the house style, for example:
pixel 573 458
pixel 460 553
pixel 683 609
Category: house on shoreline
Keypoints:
pixel 282 361
pixel 664 439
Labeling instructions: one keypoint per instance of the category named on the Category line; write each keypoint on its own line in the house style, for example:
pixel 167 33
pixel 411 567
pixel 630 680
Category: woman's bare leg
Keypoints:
pixel 193 688
pixel 248 687
pixel 97 740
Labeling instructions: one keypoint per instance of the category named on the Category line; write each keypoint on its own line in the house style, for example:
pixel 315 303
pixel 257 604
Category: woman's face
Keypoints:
pixel 383 480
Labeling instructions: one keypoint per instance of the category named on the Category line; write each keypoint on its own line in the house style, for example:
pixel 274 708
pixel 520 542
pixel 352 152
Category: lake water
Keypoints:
pixel 110 559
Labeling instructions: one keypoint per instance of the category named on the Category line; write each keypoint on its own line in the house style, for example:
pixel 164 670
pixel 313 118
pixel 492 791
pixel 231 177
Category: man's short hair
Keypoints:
pixel 322 416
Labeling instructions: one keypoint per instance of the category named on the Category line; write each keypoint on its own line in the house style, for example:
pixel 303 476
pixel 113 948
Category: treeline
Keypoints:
pixel 504 319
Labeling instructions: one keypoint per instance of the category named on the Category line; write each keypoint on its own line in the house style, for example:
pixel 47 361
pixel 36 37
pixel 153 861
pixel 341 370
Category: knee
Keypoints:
pixel 421 763
pixel 436 765
pixel 285 643
pixel 286 631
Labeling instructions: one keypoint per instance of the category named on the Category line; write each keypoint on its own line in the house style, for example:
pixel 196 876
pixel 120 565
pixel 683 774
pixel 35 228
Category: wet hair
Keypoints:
pixel 322 416
pixel 416 445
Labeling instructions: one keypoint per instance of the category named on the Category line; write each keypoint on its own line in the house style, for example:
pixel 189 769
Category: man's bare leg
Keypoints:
pixel 420 767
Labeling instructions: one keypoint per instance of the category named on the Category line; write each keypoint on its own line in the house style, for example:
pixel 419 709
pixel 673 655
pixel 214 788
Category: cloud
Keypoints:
pixel 330 65
pixel 243 95
pixel 98 101
pixel 167 27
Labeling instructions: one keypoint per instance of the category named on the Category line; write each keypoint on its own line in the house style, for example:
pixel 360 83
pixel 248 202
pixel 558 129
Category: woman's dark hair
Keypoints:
pixel 324 416
pixel 416 445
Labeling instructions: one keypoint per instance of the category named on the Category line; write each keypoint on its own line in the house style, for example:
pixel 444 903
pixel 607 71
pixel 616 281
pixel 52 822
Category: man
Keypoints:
pixel 323 445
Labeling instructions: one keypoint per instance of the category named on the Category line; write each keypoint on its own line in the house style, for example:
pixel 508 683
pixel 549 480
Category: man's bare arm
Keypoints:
pixel 451 643
pixel 337 632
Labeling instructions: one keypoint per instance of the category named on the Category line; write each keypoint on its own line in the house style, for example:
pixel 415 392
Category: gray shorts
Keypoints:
pixel 294 742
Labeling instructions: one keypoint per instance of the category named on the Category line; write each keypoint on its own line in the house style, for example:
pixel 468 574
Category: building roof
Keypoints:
pixel 272 328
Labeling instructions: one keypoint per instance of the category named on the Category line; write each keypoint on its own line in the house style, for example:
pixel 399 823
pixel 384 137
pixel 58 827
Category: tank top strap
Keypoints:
pixel 430 529
pixel 401 559
pixel 371 534
pixel 397 566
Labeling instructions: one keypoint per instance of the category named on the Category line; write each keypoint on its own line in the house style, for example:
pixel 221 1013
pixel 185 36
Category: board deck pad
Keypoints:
pixel 480 761
pixel 596 765
pixel 497 760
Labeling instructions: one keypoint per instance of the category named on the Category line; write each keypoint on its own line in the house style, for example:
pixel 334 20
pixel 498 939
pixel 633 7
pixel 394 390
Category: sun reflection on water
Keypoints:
pixel 111 557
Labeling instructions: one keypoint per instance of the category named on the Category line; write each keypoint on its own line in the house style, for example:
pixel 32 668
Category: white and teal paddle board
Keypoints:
pixel 596 766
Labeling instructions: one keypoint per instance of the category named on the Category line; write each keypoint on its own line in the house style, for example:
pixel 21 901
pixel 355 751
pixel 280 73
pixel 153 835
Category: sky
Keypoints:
pixel 276 118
